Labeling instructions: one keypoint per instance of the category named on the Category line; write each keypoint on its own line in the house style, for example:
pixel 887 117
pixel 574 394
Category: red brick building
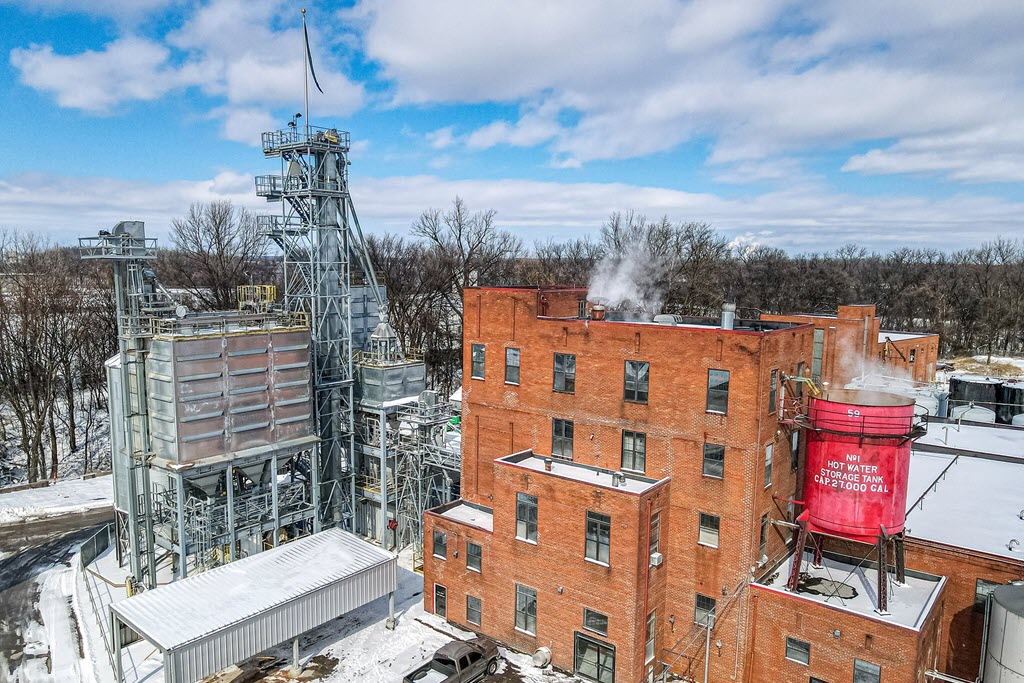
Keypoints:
pixel 626 482
pixel 852 343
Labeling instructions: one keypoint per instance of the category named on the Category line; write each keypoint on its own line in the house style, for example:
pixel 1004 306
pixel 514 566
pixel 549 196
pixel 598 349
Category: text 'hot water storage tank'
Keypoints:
pixel 858 462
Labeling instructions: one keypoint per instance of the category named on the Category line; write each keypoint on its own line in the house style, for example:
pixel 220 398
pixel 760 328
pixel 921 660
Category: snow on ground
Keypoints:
pixel 355 648
pixel 63 497
pixel 93 444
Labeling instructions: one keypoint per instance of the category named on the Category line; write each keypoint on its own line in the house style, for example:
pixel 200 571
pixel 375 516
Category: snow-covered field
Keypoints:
pixel 60 498
pixel 93 434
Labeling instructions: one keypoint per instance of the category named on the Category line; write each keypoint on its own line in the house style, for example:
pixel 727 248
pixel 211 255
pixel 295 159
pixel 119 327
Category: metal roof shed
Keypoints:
pixel 212 620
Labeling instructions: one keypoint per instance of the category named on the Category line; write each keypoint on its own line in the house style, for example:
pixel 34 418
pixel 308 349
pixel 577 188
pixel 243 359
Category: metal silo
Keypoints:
pixel 1004 652
pixel 976 389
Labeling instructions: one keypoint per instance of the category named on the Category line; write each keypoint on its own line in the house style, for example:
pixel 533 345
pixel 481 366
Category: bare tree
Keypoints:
pixel 217 247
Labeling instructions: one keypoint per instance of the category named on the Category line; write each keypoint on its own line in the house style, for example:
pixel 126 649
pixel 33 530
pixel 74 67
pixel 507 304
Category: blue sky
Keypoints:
pixel 800 125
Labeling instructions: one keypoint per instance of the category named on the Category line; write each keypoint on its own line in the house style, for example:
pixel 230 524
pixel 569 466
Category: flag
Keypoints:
pixel 309 55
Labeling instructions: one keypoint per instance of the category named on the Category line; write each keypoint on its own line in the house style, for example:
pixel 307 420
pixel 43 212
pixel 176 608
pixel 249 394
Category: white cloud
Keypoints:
pixel 127 69
pixel 117 9
pixel 442 137
pixel 797 219
pixel 233 50
pixel 733 71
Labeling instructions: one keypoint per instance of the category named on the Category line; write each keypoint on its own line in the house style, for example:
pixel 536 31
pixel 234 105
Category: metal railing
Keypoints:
pixel 91 549
pixel 223 324
pixel 117 247
pixel 303 135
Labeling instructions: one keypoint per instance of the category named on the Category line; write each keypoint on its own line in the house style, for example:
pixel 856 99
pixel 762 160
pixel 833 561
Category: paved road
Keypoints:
pixel 34 556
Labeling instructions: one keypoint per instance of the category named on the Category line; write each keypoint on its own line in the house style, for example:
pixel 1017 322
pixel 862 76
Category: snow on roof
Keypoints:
pixel 62 497
pixel 967 501
pixel 474 515
pixel 908 604
pixel 1000 440
pixel 456 395
pixel 582 473
pixel 179 613
pixel 900 336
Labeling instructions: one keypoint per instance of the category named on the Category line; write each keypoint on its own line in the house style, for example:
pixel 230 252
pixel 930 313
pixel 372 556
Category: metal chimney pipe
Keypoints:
pixel 597 312
pixel 728 315
pixel 547 464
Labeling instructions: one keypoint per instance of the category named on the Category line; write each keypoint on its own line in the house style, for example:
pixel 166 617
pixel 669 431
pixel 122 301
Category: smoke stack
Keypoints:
pixel 728 315
pixel 597 312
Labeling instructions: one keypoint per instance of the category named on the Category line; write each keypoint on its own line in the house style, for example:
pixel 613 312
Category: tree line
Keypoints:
pixel 58 319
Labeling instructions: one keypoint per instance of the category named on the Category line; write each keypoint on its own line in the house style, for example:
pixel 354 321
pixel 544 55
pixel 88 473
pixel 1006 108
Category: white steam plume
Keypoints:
pixel 629 281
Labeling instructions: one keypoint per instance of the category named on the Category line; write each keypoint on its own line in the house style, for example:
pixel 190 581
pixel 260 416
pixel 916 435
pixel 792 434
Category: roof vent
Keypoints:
pixel 728 315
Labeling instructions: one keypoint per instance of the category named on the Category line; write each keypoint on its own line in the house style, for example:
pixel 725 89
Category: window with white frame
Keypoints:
pixel 654 545
pixel 773 392
pixel 704 610
pixel 714 461
pixel 709 530
pixel 561 438
pixel 866 672
pixel 649 636
pixel 637 381
pixel 634 450
pixel 599 535
pixel 474 556
pixel 479 364
pixel 511 366
pixel 474 610
pixel 718 392
pixel 798 651
pixel 440 545
pixel 526 609
pixel 768 464
pixel 595 621
pixel 526 517
pixel 565 373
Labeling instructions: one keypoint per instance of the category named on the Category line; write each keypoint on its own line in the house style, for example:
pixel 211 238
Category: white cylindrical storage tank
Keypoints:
pixel 928 402
pixel 1004 654
pixel 971 413
pixel 1018 420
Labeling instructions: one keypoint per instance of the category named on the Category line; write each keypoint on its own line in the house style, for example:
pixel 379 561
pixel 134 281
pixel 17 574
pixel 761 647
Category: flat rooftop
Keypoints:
pixel 595 476
pixel 1004 441
pixel 694 322
pixel 467 513
pixel 847 585
pixel 967 501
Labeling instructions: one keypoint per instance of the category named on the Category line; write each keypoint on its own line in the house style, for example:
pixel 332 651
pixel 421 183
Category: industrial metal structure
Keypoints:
pixel 855 481
pixel 235 431
pixel 1004 637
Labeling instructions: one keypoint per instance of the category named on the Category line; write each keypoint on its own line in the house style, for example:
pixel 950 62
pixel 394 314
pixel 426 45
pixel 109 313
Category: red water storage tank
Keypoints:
pixel 858 461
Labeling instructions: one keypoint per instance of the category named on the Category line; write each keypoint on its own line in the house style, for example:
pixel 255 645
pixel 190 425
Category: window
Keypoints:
pixel 526 609
pixel 817 353
pixel 799 385
pixel 474 610
pixel 636 381
pixel 708 534
pixel 718 391
pixel 794 451
pixel 762 548
pixel 582 311
pixel 594 660
pixel 526 517
pixel 478 361
pixel 773 392
pixel 565 373
pixel 511 366
pixel 714 460
pixel 704 610
pixel 561 438
pixel 791 518
pixel 866 672
pixel 816 680
pixel 981 590
pixel 634 451
pixel 474 556
pixel 599 535
pixel 655 543
pixel 913 355
pixel 768 464
pixel 649 634
pixel 440 600
pixel 595 621
pixel 440 545
pixel 798 651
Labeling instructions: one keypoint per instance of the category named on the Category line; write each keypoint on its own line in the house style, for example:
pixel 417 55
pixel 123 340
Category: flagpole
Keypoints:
pixel 305 69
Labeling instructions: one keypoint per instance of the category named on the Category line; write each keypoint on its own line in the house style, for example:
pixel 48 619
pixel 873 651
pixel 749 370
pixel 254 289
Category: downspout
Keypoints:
pixel 749 660
pixel 647 579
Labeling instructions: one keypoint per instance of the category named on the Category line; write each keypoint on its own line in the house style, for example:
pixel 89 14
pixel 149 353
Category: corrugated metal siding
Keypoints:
pixel 225 615
pixel 240 641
